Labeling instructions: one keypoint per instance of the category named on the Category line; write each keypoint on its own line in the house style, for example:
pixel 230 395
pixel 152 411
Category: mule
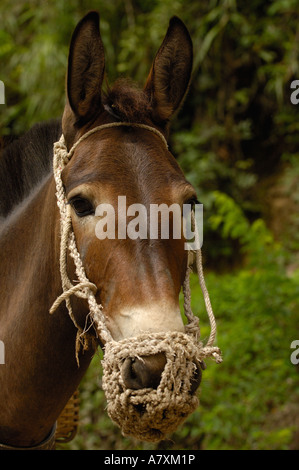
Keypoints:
pixel 138 281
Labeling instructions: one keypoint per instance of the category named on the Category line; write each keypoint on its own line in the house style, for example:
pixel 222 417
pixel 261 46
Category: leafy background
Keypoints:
pixel 236 139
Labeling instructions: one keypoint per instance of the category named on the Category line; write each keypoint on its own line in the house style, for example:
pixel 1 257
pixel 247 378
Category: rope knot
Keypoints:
pixel 61 151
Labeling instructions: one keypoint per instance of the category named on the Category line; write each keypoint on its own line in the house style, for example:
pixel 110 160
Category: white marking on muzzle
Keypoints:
pixel 154 318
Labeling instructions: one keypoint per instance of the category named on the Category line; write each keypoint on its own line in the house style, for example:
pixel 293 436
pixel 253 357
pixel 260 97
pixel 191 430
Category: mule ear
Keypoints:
pixel 170 74
pixel 86 67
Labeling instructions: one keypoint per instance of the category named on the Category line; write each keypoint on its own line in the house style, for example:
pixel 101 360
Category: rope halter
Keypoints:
pixel 147 414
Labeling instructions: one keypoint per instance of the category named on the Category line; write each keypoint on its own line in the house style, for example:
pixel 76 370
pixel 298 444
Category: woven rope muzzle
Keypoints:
pixel 147 414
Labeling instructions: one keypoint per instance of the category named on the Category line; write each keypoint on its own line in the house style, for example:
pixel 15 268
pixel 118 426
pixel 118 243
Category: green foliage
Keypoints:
pixel 255 330
pixel 255 240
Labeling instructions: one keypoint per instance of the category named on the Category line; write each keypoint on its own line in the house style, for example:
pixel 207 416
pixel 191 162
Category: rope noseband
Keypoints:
pixel 148 414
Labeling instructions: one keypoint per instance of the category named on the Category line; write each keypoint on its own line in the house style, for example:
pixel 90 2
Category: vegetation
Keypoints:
pixel 237 140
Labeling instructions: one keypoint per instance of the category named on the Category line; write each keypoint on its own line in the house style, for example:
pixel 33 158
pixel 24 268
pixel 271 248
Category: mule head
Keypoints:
pixel 138 278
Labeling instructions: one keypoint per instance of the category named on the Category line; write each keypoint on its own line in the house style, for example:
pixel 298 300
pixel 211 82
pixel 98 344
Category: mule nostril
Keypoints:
pixel 129 375
pixel 144 372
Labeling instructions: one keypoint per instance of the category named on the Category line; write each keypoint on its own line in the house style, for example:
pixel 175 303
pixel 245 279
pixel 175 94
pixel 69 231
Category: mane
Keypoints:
pixel 126 102
pixel 27 159
pixel 24 162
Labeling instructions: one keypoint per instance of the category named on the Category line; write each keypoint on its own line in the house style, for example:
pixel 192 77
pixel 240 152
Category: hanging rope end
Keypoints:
pixel 211 351
pixel 217 356
pixel 56 304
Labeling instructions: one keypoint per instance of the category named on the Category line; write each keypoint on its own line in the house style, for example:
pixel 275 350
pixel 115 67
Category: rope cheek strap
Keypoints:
pixel 147 414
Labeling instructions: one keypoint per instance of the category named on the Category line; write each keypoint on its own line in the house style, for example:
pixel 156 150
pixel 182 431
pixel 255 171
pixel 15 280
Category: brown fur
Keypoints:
pixel 126 102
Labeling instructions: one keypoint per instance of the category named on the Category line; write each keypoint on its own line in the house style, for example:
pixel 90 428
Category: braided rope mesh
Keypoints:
pixel 147 414
pixel 150 414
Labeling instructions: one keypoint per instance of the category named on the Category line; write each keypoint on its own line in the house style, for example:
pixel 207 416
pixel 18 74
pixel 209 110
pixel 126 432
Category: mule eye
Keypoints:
pixel 81 206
